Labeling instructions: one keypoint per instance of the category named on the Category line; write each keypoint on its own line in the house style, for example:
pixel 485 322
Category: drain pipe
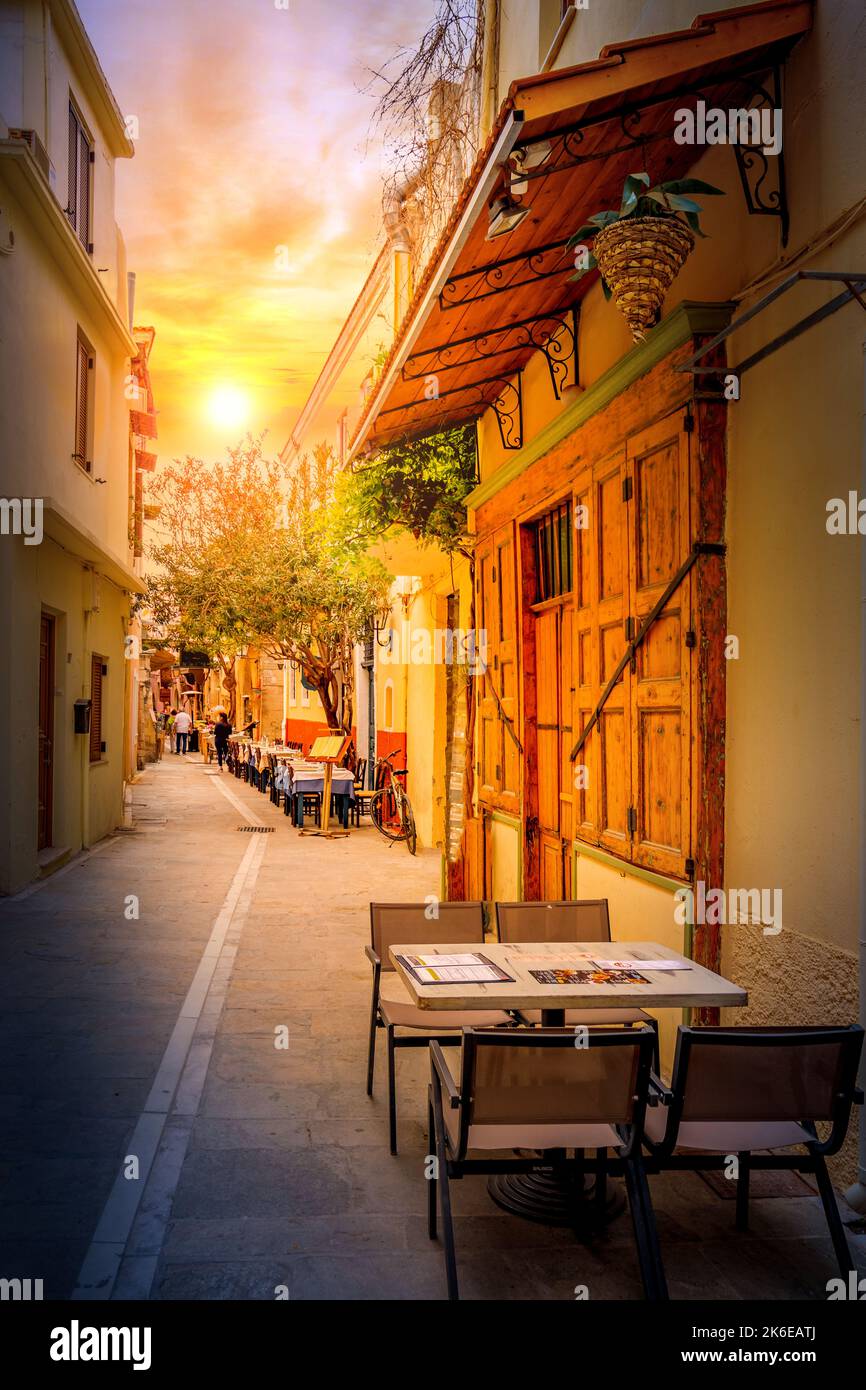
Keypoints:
pixel 856 1194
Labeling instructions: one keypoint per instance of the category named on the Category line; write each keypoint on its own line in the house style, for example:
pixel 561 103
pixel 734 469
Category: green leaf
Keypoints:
pixel 693 220
pixel 690 186
pixel 631 189
pixel 683 204
pixel 586 231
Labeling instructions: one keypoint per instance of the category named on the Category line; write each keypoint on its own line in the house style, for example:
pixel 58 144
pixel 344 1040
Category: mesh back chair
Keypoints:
pixel 392 1008
pixel 738 1090
pixel 536 1090
pixel 564 921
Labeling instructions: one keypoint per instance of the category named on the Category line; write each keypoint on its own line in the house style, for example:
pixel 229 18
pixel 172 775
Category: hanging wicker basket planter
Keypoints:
pixel 639 259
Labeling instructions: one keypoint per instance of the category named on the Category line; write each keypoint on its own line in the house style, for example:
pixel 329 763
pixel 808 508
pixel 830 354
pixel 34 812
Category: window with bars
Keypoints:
pixel 553 553
pixel 98 671
pixel 84 366
pixel 79 179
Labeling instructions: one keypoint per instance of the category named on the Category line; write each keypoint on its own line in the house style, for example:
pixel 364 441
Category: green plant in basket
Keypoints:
pixel 641 247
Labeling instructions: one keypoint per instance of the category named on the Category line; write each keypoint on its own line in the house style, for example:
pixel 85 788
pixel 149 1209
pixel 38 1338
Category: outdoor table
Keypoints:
pixel 342 788
pixel 546 1196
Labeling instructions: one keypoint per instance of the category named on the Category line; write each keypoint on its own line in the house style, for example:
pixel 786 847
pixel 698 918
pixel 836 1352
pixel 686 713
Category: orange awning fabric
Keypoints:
pixel 478 313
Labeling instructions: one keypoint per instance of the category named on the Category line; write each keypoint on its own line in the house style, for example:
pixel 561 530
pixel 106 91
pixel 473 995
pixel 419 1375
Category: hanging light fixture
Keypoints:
pixel 524 158
pixel 504 216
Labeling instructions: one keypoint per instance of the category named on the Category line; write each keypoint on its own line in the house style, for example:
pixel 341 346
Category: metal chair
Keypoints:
pixel 585 920
pixel 736 1091
pixel 534 1090
pixel 392 1006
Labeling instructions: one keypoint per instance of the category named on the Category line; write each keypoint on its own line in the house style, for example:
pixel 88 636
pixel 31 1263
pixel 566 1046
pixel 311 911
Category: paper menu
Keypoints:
pixel 469 968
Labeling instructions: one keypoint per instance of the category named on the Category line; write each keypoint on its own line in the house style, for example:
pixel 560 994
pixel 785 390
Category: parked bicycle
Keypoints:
pixel 390 808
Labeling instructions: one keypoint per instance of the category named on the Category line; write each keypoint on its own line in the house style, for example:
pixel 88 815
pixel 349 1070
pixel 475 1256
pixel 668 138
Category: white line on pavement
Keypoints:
pixel 98 1274
pixel 248 815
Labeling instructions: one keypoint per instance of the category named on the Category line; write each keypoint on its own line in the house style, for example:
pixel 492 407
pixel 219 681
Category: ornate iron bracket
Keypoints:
pixel 753 164
pixel 554 334
pixel 536 263
pixel 506 404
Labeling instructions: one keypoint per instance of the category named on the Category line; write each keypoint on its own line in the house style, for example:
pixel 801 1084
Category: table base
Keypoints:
pixel 555 1200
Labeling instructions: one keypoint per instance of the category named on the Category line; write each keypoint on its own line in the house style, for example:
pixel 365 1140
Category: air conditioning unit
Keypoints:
pixel 37 149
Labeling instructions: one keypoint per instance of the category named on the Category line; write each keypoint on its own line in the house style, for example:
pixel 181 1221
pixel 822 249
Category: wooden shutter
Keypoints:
pixel 82 400
pixel 659 541
pixel 95 708
pixel 72 173
pixel 84 190
pixel 607 577
pixel 496 617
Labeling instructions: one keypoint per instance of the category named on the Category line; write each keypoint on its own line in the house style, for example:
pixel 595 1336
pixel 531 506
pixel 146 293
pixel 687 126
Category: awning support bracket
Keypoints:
pixel 533 264
pixel 507 405
pixel 554 334
pixel 698 549
pixel 753 163
pixel 855 288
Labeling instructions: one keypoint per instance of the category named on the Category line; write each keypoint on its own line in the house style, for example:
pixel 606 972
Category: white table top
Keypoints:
pixel 671 989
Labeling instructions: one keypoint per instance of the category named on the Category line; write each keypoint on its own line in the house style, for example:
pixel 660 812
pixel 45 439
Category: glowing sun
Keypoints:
pixel 228 406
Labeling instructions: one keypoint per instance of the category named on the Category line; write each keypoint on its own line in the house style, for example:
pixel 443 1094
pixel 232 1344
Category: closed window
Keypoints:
pixel 84 371
pixel 98 671
pixel 79 179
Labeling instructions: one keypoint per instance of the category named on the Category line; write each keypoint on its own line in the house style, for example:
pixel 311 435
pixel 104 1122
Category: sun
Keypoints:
pixel 228 406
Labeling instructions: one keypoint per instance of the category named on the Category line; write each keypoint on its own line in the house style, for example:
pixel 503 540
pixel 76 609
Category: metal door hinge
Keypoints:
pixel 493 574
pixel 691 638
pixel 627 489
pixel 631 820
pixel 690 868
pixel 629 629
pixel 689 420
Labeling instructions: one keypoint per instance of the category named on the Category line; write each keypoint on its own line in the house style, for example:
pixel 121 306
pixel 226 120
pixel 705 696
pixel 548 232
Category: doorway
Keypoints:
pixel 45 830
pixel 549 703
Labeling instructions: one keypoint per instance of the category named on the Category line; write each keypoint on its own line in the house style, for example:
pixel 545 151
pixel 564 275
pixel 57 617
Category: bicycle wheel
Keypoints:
pixel 411 835
pixel 382 814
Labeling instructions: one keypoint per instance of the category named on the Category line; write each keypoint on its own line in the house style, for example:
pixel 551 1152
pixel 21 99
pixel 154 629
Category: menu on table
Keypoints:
pixel 596 975
pixel 470 967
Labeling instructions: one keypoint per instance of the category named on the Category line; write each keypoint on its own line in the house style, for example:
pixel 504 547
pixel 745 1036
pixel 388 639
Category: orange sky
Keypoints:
pixel 254 153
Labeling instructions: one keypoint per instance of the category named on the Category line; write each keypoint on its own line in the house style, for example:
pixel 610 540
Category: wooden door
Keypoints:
pixel 659 541
pixel 45 830
pixel 554 727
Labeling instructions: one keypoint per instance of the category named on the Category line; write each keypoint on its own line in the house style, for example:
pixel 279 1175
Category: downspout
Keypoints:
pixel 490 67
pixel 856 1194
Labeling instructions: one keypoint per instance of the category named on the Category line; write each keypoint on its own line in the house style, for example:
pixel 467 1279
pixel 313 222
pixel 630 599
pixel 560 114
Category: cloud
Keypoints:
pixel 251 209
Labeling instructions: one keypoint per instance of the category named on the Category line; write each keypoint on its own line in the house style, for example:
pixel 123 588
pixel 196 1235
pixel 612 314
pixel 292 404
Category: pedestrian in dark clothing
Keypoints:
pixel 221 732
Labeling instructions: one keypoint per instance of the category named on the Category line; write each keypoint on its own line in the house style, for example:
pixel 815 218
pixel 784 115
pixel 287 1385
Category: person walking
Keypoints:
pixel 182 726
pixel 169 729
pixel 221 732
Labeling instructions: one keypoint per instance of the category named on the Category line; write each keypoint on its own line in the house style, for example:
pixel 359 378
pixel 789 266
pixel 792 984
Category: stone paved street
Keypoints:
pixel 263 1167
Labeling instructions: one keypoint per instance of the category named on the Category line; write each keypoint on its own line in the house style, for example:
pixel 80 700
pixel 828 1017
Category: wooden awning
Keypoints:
pixel 485 306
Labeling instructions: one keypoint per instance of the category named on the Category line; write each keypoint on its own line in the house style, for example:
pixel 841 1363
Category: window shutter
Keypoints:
pixel 72 180
pixel 83 189
pixel 95 708
pixel 82 396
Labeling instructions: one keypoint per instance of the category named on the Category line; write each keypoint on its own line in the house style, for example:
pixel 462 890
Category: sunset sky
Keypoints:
pixel 254 135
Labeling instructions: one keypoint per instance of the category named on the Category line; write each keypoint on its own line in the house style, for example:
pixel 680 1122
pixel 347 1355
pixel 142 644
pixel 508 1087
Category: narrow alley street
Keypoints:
pixel 262 1168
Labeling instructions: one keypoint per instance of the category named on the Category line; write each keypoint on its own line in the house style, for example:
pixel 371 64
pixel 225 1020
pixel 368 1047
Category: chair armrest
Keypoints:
pixel 658 1093
pixel 371 956
pixel 440 1067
